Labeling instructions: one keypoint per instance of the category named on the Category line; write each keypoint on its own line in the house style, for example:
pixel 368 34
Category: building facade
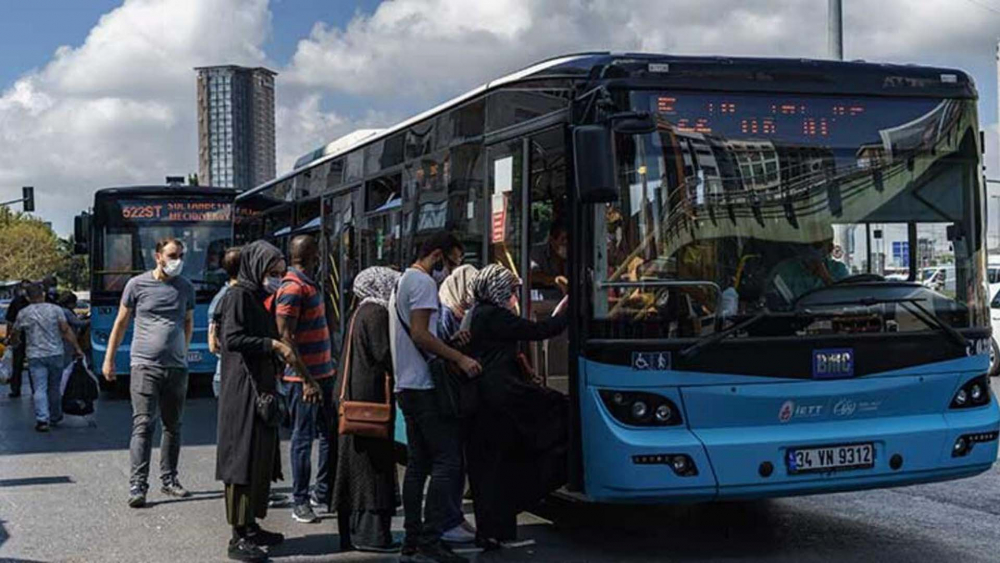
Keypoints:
pixel 235 126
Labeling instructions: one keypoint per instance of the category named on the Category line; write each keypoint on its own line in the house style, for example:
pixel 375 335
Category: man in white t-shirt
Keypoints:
pixel 434 441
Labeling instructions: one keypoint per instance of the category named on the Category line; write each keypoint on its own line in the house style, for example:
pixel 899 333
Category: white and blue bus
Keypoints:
pixel 741 325
pixel 120 235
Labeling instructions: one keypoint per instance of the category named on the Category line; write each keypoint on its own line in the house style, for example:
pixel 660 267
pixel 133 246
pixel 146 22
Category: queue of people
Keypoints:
pixel 407 330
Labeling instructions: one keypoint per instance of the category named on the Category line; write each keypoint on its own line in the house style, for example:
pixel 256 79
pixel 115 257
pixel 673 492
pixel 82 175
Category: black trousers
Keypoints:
pixel 434 442
pixel 17 377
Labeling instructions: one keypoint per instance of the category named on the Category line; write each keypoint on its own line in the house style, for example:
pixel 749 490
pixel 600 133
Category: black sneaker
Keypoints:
pixel 14 395
pixel 173 488
pixel 438 553
pixel 260 536
pixel 244 549
pixel 42 426
pixel 408 553
pixel 304 513
pixel 137 496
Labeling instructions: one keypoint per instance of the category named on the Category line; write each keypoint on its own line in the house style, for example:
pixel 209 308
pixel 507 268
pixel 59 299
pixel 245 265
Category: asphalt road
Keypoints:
pixel 62 498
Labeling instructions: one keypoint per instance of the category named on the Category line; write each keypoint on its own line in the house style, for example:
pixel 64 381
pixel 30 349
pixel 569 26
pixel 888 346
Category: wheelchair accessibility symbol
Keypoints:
pixel 647 361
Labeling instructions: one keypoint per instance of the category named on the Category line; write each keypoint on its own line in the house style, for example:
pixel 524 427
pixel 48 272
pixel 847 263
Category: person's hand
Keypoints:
pixel 461 338
pixel 562 283
pixel 284 351
pixel 311 392
pixel 469 366
pixel 109 370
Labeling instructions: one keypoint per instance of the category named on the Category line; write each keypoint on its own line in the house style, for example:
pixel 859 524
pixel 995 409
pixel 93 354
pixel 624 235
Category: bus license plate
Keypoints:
pixel 194 357
pixel 831 458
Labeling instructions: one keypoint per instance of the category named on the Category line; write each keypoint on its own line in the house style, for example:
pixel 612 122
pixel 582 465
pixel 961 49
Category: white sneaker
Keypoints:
pixel 459 534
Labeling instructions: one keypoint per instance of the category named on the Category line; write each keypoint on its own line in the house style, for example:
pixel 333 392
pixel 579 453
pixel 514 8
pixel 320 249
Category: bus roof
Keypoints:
pixel 686 72
pixel 161 190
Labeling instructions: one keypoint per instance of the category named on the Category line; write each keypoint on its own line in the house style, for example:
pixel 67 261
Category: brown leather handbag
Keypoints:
pixel 362 418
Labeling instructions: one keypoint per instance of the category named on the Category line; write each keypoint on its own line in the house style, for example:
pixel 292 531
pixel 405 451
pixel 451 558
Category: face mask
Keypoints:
pixel 439 273
pixel 173 267
pixel 272 283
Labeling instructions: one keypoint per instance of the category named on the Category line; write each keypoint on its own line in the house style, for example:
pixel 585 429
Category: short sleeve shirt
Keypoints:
pixel 300 299
pixel 416 290
pixel 40 324
pixel 160 308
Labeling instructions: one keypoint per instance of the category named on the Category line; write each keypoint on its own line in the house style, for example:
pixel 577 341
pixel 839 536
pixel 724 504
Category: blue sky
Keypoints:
pixel 32 30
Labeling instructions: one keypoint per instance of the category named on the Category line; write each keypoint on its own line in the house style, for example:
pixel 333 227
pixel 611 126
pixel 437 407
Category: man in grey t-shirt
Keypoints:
pixel 163 304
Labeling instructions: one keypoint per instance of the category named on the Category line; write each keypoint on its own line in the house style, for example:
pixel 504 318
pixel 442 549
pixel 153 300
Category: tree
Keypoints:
pixel 29 249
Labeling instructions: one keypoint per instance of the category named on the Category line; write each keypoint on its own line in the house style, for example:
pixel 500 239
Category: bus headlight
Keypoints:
pixel 636 408
pixel 974 393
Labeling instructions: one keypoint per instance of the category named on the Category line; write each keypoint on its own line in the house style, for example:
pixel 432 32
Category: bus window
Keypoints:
pixel 382 229
pixel 504 195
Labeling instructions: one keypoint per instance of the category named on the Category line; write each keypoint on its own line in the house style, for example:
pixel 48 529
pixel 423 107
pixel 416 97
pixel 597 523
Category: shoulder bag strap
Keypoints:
pixel 406 327
pixel 347 359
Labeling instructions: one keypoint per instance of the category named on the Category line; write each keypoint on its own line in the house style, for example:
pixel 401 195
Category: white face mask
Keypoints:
pixel 272 283
pixel 173 267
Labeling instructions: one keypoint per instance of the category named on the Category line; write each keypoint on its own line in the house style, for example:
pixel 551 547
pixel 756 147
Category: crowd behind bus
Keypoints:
pixel 440 339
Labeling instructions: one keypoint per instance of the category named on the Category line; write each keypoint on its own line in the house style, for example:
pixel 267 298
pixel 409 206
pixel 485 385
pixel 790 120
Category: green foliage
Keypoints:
pixel 29 249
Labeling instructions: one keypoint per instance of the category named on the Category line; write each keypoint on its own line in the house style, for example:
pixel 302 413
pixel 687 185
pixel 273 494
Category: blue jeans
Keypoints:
pixel 312 421
pixel 46 377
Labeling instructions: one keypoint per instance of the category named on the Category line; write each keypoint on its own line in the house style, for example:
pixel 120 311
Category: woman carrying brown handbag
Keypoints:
pixel 364 491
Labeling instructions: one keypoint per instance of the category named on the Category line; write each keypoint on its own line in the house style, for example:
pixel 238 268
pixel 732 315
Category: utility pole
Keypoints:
pixel 835 31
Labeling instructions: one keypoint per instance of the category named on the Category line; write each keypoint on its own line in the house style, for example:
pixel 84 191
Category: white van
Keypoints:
pixel 939 278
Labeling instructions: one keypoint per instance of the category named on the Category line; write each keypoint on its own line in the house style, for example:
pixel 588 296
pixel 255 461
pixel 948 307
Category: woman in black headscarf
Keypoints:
pixel 247 457
pixel 364 489
pixel 516 449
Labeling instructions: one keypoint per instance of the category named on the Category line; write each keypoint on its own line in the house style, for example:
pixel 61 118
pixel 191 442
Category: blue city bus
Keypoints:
pixel 120 235
pixel 745 243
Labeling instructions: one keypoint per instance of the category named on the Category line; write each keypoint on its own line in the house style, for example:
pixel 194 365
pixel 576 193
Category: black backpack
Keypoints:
pixel 81 391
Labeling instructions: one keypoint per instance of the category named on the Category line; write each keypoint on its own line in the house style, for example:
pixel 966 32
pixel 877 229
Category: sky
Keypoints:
pixel 98 93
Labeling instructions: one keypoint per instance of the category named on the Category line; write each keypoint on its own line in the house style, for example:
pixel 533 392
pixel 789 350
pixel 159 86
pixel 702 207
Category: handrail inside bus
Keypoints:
pixel 658 283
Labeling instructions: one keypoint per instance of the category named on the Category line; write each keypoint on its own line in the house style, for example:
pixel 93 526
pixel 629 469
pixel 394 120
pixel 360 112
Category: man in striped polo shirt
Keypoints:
pixel 301 317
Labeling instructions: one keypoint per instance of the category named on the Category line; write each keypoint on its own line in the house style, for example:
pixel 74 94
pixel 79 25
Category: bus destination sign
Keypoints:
pixel 193 211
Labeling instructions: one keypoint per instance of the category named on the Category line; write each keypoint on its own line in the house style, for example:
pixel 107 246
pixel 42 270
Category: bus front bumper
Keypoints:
pixel 749 462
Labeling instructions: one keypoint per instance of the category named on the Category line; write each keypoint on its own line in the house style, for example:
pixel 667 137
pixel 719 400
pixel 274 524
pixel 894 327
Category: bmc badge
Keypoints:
pixel 833 363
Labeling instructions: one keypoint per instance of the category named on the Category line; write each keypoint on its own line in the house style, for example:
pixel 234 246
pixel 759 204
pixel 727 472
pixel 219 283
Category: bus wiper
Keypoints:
pixel 913 305
pixel 717 337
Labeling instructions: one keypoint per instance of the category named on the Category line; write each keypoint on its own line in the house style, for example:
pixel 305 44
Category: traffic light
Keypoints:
pixel 28 198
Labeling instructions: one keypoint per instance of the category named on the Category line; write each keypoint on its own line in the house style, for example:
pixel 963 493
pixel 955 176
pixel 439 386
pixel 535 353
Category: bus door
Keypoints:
pixel 339 259
pixel 528 181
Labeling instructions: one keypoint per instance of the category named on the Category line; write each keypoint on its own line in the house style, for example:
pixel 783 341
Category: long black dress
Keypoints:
pixel 517 445
pixel 247 456
pixel 364 491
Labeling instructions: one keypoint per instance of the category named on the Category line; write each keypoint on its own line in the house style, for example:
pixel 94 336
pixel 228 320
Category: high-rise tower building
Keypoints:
pixel 235 126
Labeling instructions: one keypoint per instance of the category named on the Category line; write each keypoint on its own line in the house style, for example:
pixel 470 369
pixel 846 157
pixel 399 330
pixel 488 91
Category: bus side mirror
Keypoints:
pixel 595 165
pixel 81 234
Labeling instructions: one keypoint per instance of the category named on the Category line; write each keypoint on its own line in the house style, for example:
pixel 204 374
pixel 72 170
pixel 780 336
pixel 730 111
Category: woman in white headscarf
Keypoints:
pixel 364 491
pixel 456 300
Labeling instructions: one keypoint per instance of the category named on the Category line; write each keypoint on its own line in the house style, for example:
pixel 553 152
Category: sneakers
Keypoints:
pixel 137 496
pixel 244 549
pixel 42 426
pixel 173 488
pixel 260 536
pixel 460 534
pixel 318 506
pixel 277 500
pixel 304 513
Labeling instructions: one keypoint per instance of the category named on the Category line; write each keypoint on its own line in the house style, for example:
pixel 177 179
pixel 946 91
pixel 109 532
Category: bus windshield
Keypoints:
pixel 796 207
pixel 128 230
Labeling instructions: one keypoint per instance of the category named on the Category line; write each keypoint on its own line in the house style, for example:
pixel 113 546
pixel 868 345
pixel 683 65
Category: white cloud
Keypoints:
pixel 120 107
